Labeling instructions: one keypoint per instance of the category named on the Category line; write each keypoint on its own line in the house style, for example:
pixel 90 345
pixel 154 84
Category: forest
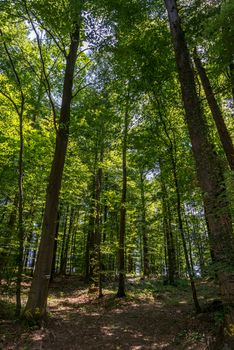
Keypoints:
pixel 116 168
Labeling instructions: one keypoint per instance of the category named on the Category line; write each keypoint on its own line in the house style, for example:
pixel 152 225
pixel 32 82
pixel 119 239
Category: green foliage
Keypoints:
pixel 7 310
pixel 126 51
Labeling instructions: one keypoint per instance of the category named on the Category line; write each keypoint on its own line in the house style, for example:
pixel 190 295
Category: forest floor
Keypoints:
pixel 152 316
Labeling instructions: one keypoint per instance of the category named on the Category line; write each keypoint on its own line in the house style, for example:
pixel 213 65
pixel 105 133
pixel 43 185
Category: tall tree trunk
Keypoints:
pixel 37 300
pixel 10 228
pixel 170 246
pixel 122 227
pixel 20 111
pixel 182 233
pixel 144 228
pixel 88 248
pixel 64 238
pixel 20 262
pixel 216 112
pixel 63 269
pixel 95 248
pixel 98 232
pixel 53 268
pixel 73 243
pixel 105 216
pixel 91 231
pixel 208 168
pixel 172 154
pixel 69 236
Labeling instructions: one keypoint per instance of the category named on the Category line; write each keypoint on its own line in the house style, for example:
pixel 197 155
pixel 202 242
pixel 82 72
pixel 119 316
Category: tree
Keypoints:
pixel 37 301
pixel 208 168
pixel 216 112
pixel 122 225
pixel 20 109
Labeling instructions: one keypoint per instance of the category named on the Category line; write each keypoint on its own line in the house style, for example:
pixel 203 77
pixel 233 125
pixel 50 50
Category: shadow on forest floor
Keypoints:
pixel 152 316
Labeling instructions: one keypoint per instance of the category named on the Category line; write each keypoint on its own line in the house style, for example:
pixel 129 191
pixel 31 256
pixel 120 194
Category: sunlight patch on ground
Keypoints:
pixel 107 330
pixel 160 346
pixel 94 314
pixel 37 336
pixel 118 311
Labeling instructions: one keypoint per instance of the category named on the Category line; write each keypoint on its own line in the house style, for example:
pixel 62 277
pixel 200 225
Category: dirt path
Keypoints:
pixel 142 321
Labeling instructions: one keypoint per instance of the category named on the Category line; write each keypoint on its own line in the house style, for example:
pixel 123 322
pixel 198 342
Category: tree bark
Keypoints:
pixel 208 168
pixel 216 112
pixel 53 268
pixel 98 232
pixel 90 246
pixel 144 229
pixel 37 300
pixel 170 246
pixel 122 228
pixel 20 214
pixel 64 238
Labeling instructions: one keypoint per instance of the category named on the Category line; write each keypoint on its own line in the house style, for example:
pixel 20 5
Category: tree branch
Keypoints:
pixel 11 100
pixel 48 88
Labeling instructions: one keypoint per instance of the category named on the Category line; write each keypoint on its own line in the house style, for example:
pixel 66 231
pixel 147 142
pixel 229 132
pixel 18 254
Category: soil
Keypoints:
pixel 151 317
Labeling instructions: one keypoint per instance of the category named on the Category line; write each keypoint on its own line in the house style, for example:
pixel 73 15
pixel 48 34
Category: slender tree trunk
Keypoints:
pixel 90 236
pixel 36 245
pixel 87 252
pixel 95 251
pixel 89 247
pixel 64 238
pixel 190 253
pixel 98 231
pixel 165 245
pixel 216 112
pixel 27 250
pixel 171 261
pixel 20 213
pixel 37 300
pixel 178 250
pixel 208 168
pixel 63 269
pixel 35 250
pixel 189 239
pixel 172 155
pixel 231 69
pixel 122 227
pixel 199 241
pixel 53 268
pixel 105 216
pixel 144 229
pixel 73 242
pixel 69 236
pixel 10 229
pixel 182 233
pixel 20 111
